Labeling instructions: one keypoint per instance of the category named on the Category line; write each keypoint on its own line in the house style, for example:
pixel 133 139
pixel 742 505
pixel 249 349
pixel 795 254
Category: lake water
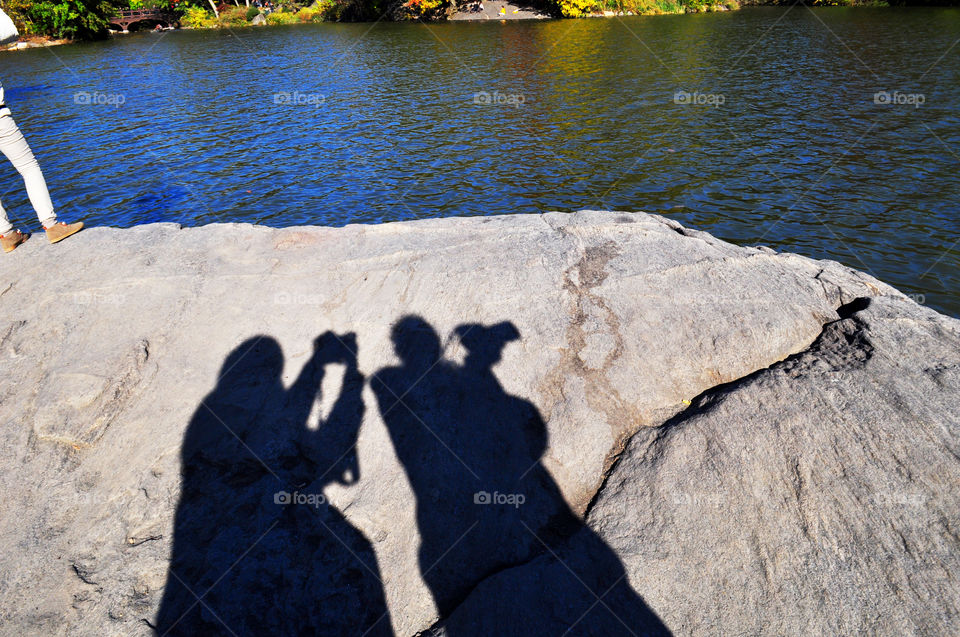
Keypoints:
pixel 761 126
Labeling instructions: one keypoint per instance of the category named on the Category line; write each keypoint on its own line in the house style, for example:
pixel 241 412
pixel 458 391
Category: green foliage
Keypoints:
pixel 359 10
pixel 838 3
pixel 327 9
pixel 339 10
pixel 426 10
pixel 198 18
pixel 72 19
pixel 88 19
pixel 579 8
pixel 281 17
pixel 309 14
pixel 659 7
pixel 854 3
pixel 18 11
pixel 234 17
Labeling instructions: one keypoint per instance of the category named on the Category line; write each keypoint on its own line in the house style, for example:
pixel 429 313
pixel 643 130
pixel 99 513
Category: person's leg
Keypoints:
pixel 5 225
pixel 16 149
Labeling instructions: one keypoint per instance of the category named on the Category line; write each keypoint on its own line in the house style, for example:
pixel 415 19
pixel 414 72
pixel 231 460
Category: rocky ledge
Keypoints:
pixel 590 424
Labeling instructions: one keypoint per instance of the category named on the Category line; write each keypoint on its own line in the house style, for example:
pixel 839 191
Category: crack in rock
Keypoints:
pixel 857 351
pixel 592 323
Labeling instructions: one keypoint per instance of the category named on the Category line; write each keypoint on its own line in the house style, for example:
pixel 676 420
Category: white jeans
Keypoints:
pixel 14 146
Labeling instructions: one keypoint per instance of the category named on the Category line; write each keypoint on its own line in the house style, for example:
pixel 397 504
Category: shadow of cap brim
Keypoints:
pixel 475 336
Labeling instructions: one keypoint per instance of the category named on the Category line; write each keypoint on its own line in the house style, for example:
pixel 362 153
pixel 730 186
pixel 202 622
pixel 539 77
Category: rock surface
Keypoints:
pixel 497 10
pixel 817 496
pixel 748 460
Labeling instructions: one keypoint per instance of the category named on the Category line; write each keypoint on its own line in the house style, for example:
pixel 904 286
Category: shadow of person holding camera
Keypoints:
pixel 257 549
pixel 487 507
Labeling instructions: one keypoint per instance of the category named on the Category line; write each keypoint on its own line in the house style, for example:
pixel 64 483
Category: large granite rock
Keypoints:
pixel 237 429
pixel 817 496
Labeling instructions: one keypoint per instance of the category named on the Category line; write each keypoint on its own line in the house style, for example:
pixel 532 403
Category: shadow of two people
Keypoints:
pixel 256 549
pixel 247 561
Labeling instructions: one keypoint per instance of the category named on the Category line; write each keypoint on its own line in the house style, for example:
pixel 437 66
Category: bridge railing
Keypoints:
pixel 142 14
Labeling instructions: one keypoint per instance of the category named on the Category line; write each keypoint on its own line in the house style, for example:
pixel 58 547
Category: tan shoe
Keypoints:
pixel 12 239
pixel 60 231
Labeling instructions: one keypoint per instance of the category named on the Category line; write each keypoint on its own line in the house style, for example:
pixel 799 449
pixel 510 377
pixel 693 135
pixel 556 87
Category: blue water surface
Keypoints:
pixel 830 132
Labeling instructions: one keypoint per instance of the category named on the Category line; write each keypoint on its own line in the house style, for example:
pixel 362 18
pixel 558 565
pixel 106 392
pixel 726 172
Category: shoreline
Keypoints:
pixel 489 11
pixel 36 42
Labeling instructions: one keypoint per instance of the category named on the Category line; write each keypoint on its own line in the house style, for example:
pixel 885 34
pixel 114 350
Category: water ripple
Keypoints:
pixel 340 123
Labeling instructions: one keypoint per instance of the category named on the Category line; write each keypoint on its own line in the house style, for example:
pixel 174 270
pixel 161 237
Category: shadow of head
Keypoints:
pixel 229 420
pixel 256 362
pixel 331 347
pixel 484 344
pixel 415 342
